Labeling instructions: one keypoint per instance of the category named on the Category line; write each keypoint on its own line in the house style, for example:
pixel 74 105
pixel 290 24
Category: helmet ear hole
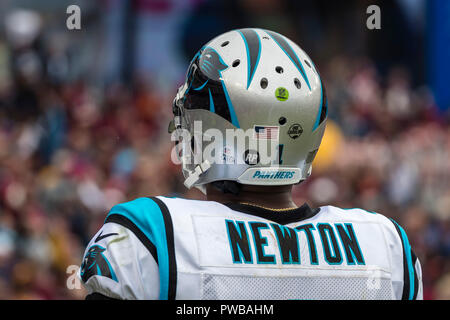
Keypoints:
pixel 264 83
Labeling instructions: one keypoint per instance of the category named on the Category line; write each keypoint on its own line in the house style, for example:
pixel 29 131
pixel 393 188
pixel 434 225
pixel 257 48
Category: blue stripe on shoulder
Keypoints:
pixel 147 216
pixel 407 252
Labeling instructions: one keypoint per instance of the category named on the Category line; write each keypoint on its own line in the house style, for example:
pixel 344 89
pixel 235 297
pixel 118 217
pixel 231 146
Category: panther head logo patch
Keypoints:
pixel 205 86
pixel 212 64
pixel 96 264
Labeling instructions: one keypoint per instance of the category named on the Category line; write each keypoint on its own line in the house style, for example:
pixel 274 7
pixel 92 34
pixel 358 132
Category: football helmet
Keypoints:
pixel 262 83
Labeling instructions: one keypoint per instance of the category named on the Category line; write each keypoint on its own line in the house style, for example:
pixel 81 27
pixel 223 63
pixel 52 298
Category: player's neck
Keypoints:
pixel 277 197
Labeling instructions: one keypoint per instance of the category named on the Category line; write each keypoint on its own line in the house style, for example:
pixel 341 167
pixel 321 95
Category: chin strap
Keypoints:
pixel 195 175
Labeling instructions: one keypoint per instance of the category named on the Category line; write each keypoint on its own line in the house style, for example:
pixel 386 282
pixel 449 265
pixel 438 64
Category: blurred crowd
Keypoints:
pixel 387 149
pixel 70 150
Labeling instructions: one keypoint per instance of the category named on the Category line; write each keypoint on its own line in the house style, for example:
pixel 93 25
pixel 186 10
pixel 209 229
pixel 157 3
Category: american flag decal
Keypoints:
pixel 266 132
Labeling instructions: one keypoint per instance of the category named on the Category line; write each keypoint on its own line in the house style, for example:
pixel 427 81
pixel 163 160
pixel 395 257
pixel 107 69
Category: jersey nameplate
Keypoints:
pixel 223 241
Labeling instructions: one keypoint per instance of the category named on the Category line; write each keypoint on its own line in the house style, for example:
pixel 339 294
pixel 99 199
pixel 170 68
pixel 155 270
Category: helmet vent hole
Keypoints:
pixel 297 83
pixel 236 63
pixel 225 43
pixel 282 121
pixel 264 83
pixel 279 69
pixel 308 64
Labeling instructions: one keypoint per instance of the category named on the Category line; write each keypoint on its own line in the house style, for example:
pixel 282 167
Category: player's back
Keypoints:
pixel 171 248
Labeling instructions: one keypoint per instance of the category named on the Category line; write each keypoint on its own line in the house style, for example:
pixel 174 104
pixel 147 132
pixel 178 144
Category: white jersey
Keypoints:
pixel 171 248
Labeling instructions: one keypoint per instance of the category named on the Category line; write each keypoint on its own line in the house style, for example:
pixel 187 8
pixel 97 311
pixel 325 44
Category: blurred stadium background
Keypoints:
pixel 84 113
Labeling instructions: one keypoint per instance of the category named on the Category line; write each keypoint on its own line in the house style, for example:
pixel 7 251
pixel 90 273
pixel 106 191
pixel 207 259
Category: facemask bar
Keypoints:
pixel 180 123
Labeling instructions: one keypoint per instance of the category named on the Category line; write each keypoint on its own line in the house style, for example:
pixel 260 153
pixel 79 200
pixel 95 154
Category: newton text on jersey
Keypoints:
pixel 338 243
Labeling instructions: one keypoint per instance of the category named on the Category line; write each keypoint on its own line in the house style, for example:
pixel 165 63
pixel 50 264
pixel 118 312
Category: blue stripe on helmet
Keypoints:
pixel 253 56
pixel 284 45
pixel 211 102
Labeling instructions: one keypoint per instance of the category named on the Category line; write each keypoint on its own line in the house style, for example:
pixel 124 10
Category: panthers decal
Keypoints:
pixel 206 89
pixel 96 264
pixel 212 64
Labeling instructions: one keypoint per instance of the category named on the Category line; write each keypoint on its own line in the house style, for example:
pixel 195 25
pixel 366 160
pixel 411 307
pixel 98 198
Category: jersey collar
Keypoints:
pixel 280 217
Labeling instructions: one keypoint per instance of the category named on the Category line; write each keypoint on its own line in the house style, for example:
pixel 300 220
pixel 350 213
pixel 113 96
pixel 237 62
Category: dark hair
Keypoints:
pixel 226 186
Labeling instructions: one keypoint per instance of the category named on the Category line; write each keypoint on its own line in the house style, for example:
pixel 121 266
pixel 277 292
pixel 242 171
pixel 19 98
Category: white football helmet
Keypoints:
pixel 261 82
